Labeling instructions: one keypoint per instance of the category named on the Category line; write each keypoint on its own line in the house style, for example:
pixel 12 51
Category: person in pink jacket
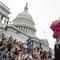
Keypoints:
pixel 55 26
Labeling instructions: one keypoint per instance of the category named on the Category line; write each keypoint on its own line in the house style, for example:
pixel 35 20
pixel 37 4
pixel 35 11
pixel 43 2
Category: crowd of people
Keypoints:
pixel 11 49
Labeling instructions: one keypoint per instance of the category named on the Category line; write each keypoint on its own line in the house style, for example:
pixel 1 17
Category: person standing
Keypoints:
pixel 55 26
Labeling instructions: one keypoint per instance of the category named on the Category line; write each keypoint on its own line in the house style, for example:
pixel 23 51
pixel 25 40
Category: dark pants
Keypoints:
pixel 57 52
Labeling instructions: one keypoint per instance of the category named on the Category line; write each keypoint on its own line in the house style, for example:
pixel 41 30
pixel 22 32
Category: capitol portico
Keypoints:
pixel 4 11
pixel 22 27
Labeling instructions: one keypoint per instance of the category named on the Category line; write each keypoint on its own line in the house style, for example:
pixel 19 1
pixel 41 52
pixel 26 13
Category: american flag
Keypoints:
pixel 29 43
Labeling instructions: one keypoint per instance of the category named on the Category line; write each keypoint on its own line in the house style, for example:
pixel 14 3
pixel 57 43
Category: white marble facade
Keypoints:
pixel 23 23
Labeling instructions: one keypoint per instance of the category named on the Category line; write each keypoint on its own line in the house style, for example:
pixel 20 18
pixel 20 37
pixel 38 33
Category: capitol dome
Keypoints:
pixel 24 22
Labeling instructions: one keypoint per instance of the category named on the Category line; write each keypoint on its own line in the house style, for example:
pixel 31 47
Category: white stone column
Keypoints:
pixel 0 16
pixel 20 28
pixel 5 19
pixel 0 19
pixel 25 29
pixel 33 32
pixel 30 31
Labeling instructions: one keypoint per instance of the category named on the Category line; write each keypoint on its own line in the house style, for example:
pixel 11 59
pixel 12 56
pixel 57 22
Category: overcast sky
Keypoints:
pixel 44 12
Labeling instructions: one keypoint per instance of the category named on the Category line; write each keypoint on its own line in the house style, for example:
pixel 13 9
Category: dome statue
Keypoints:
pixel 24 22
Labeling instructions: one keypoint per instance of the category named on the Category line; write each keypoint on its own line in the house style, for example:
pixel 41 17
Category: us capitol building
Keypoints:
pixel 23 27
